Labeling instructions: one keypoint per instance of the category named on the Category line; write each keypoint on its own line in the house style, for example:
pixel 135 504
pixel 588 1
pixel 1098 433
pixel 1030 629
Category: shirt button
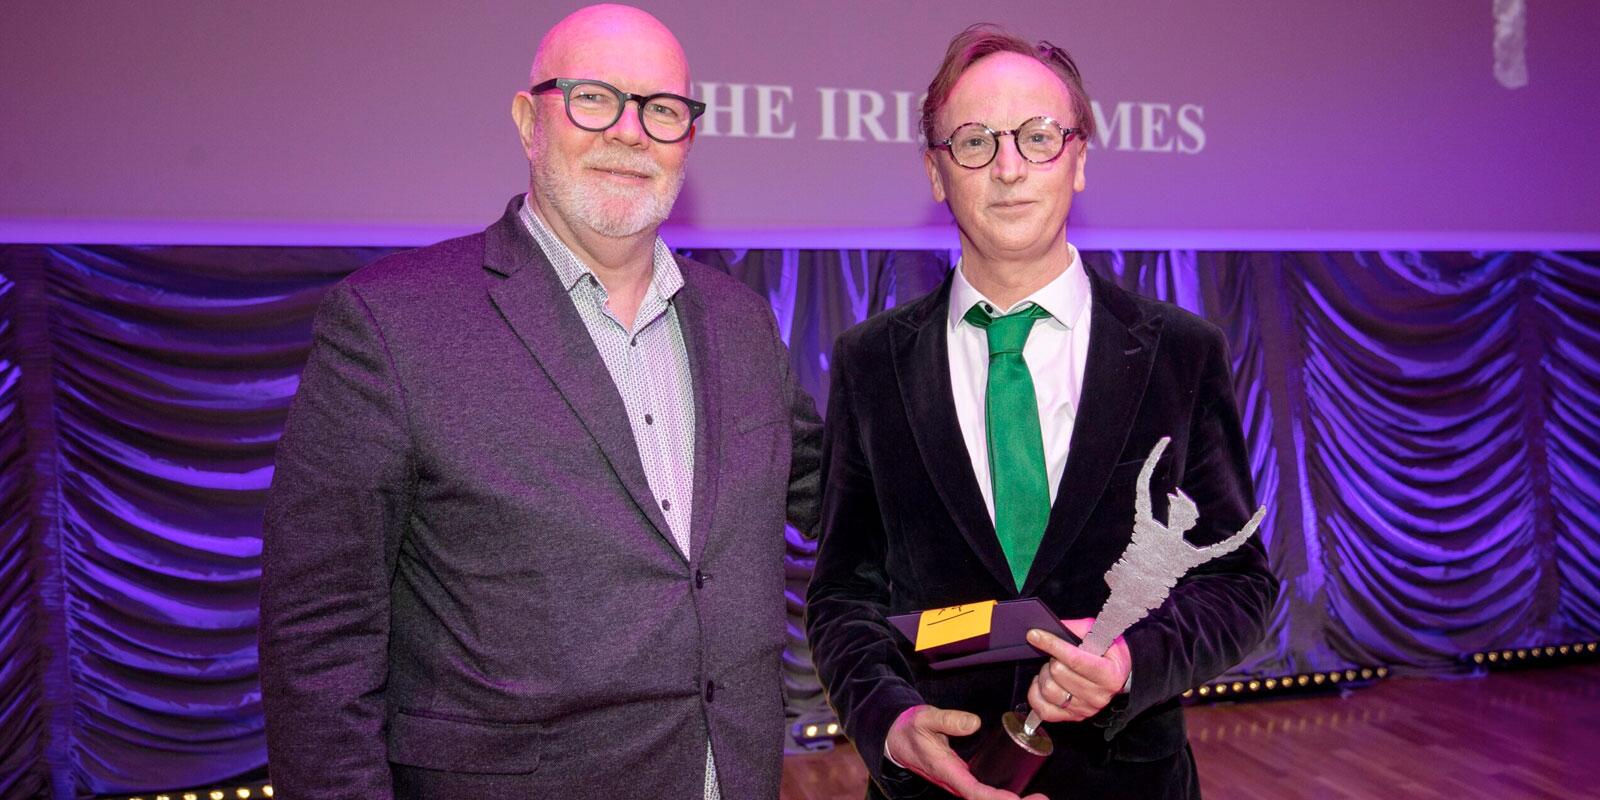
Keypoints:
pixel 633 341
pixel 649 420
pixel 666 505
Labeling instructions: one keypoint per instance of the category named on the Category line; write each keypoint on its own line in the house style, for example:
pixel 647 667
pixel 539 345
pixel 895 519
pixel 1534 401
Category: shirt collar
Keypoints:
pixel 1065 297
pixel 665 281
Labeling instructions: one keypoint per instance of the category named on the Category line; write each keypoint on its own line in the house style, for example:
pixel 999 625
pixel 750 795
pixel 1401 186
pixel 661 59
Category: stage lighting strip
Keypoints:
pixel 1309 680
pixel 242 793
pixel 1327 680
pixel 1523 654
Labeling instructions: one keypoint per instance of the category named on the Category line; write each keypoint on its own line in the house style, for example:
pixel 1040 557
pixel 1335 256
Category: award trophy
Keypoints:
pixel 1140 581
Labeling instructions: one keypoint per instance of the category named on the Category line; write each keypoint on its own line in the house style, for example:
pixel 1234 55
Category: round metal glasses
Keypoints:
pixel 1039 140
pixel 596 105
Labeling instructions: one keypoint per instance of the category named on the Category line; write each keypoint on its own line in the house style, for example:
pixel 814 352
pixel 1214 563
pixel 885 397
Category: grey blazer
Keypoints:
pixel 468 589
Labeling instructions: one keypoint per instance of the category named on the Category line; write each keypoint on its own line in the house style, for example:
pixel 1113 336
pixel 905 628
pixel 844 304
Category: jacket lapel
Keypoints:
pixel 699 337
pixel 537 307
pixel 922 369
pixel 1122 348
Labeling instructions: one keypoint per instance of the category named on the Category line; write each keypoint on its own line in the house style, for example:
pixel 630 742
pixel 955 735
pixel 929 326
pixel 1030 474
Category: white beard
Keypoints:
pixel 606 208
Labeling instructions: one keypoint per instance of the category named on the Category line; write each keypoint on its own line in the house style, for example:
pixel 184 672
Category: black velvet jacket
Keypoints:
pixel 904 528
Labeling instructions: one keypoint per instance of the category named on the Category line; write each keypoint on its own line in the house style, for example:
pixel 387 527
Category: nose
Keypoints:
pixel 1009 165
pixel 628 131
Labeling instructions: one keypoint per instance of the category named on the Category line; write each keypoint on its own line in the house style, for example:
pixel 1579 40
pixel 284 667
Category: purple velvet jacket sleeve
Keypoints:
pixel 332 530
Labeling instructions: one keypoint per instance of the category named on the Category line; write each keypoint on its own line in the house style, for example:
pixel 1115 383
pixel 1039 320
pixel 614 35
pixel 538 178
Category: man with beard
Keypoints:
pixel 525 538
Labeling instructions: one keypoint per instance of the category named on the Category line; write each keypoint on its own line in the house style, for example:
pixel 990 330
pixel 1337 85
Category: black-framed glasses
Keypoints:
pixel 1040 140
pixel 596 105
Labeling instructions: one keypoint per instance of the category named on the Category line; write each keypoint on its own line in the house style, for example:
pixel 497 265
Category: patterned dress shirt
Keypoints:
pixel 649 364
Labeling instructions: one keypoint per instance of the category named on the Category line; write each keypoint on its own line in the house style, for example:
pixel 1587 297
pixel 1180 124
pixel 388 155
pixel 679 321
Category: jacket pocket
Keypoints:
pixel 462 745
pixel 1127 473
pixel 754 422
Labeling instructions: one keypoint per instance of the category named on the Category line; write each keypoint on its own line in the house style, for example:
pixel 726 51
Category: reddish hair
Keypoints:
pixel 985 39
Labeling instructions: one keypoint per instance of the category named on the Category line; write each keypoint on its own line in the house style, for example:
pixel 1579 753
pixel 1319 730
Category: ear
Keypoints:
pixel 523 114
pixel 1077 178
pixel 935 180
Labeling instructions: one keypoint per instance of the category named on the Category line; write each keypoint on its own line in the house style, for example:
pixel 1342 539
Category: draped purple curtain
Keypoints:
pixel 152 386
pixel 21 715
pixel 1423 427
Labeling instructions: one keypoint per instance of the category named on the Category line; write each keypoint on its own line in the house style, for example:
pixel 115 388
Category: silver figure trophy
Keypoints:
pixel 1140 581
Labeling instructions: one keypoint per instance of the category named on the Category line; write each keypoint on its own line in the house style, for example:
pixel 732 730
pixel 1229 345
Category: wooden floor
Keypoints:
pixel 1522 735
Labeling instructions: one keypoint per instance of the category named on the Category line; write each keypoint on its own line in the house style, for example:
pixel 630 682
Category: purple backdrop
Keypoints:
pixel 1363 124
pixel 1422 425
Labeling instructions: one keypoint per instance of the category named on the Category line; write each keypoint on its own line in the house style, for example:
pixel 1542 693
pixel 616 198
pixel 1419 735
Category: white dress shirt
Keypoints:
pixel 1056 352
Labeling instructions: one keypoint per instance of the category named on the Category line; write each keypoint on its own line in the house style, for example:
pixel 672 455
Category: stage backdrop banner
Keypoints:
pixel 1442 124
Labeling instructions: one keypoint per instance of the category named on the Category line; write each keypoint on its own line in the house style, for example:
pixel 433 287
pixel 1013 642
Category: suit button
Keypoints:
pixel 699 579
pixel 710 689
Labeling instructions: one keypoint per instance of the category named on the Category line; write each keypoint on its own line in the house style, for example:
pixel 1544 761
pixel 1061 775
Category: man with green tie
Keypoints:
pixel 983 442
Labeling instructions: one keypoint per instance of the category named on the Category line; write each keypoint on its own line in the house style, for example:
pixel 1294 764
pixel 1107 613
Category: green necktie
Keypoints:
pixel 1016 446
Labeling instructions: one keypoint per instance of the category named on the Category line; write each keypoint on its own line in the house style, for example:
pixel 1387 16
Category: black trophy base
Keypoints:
pixel 1008 758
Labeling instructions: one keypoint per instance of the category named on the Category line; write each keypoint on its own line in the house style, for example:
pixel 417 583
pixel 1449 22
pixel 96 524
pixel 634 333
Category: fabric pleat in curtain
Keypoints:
pixel 1423 427
pixel 1568 292
pixel 21 713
